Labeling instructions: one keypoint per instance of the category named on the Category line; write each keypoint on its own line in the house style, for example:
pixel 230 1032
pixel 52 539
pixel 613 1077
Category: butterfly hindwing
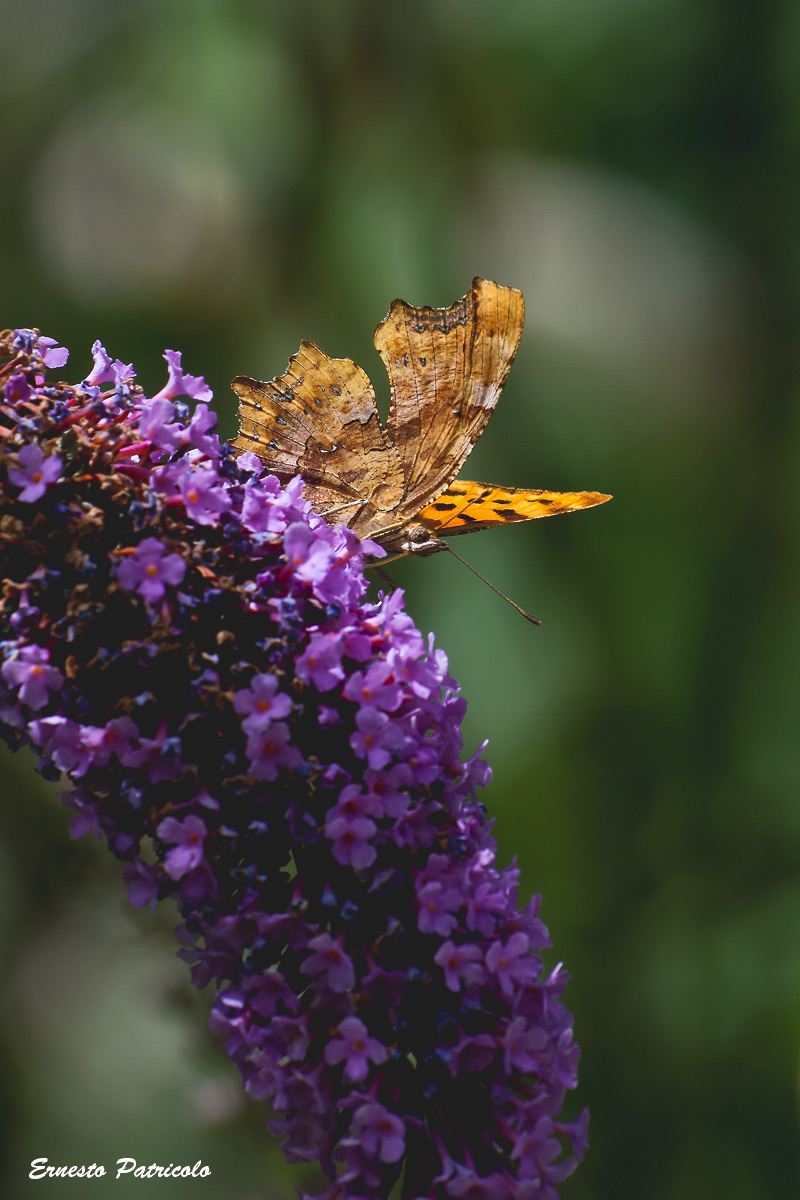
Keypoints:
pixel 447 367
pixel 465 507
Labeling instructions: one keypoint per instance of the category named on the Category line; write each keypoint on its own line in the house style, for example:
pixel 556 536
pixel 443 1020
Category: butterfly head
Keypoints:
pixel 413 538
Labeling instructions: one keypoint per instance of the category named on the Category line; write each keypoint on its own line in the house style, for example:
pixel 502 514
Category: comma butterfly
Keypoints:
pixel 447 367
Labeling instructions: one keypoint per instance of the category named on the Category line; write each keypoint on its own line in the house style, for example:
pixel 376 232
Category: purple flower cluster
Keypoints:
pixel 191 645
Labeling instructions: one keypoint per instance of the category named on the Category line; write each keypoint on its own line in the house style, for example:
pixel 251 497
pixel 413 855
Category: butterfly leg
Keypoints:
pixel 386 578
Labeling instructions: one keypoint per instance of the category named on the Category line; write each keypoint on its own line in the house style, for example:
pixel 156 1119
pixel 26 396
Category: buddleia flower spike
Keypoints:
pixel 189 645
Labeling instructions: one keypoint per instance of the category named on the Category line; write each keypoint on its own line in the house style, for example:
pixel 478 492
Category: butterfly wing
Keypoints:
pixel 465 506
pixel 447 367
pixel 319 420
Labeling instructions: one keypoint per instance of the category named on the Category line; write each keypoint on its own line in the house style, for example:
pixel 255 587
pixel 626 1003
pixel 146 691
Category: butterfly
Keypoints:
pixel 397 486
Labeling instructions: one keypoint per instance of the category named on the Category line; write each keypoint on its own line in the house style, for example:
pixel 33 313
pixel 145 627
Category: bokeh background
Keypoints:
pixel 229 176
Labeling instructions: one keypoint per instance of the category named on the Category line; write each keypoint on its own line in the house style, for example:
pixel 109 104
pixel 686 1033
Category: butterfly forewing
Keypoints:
pixel 465 507
pixel 447 367
pixel 319 419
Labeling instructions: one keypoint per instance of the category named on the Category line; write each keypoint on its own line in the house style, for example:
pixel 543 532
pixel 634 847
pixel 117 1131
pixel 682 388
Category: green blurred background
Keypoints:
pixel 227 177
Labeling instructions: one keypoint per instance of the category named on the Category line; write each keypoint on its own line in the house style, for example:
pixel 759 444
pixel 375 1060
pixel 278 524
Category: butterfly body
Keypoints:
pixel 397 485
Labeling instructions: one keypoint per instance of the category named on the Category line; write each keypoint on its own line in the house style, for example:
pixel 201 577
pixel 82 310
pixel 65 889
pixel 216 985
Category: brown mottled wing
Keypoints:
pixel 319 420
pixel 446 367
pixel 465 506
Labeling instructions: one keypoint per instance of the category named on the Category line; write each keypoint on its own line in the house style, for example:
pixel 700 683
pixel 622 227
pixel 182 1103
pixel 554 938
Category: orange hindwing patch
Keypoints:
pixel 446 367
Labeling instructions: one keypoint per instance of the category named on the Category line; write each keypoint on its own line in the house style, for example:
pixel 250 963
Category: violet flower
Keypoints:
pixel 191 645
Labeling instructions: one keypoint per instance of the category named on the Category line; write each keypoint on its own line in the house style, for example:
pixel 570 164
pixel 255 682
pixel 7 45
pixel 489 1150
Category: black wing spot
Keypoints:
pixel 423 362
pixel 337 391
pixel 318 402
pixel 273 445
pixel 503 502
pixel 281 420
pixel 541 501
pixel 440 506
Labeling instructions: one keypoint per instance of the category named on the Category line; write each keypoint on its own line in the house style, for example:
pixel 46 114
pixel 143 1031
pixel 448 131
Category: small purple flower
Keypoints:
pixel 437 906
pixel 148 572
pixel 330 960
pixel 30 672
pixel 62 742
pixel 158 756
pixel 356 1049
pixel 511 963
pixel 390 787
pixel 204 495
pixel 198 431
pixel 115 737
pixel 353 802
pixel 321 664
pixel 181 384
pixel 261 703
pixel 376 686
pixel 377 738
pixel 188 836
pixel 53 355
pixel 157 424
pixel 269 749
pixel 142 883
pixel 524 1045
pixel 17 389
pixel 101 371
pixel 86 819
pixel 462 965
pixel 310 557
pixel 268 508
pixel 380 1134
pixel 37 473
pixel 351 837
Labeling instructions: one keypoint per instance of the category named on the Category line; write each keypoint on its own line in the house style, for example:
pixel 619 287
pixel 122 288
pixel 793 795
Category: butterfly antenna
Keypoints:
pixel 526 615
